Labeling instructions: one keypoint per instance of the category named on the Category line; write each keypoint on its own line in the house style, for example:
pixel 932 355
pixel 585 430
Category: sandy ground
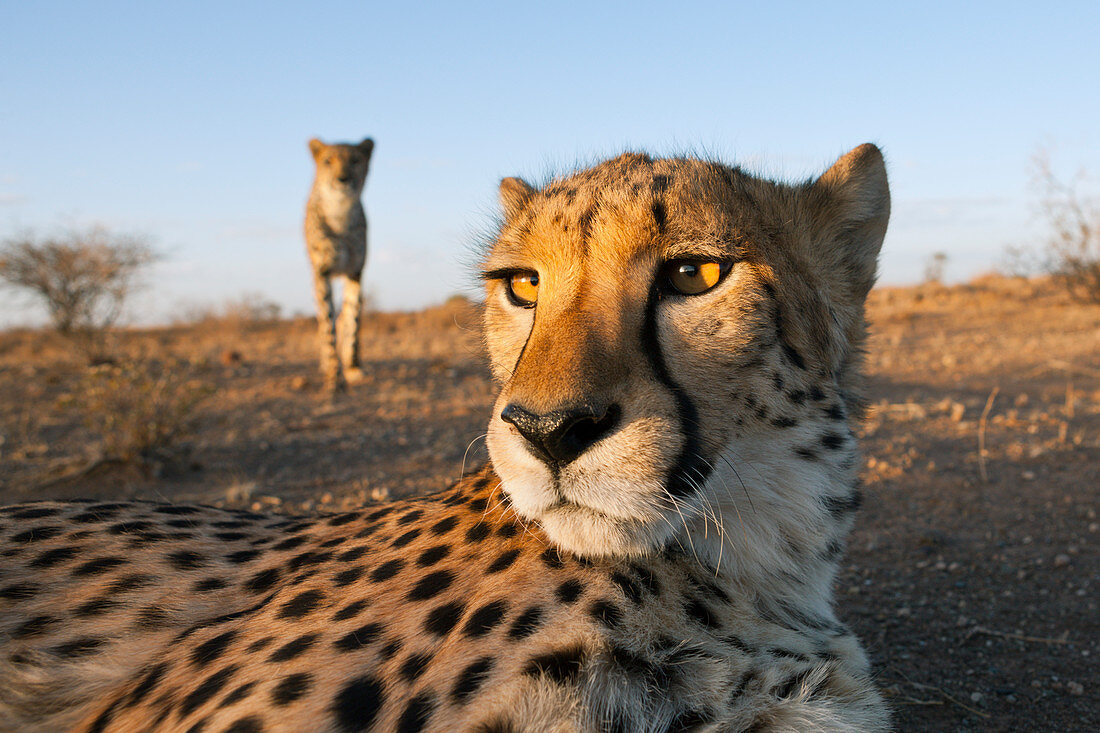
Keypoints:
pixel 972 576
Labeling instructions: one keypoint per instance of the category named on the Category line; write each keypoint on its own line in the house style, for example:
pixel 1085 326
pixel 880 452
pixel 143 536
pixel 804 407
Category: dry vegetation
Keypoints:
pixel 973 572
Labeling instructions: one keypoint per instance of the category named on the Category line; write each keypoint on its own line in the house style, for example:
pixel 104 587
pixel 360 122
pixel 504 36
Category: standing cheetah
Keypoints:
pixel 652 547
pixel 336 238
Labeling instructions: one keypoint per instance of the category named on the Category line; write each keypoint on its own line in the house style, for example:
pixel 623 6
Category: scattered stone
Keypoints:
pixel 1061 561
pixel 1075 688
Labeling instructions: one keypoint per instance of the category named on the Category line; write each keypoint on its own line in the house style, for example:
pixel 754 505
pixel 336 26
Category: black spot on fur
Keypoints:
pixel 36 534
pixel 148 683
pixel 432 555
pixel 414 666
pixel 660 217
pixel 784 422
pixel 301 604
pixel 186 560
pixel 49 558
pixel 444 618
pixel 210 650
pixel 628 586
pixel 431 585
pixel 290 543
pixel 484 619
pixel 292 649
pixel 250 724
pixel 77 648
pixel 562 666
pixel 379 513
pixel 356 706
pixel 353 554
pixel 838 506
pixel 688 720
pixel 787 687
pixel 526 623
pixel 307 558
pixel 153 618
pixel 389 651
pixel 342 519
pixel 700 613
pixel 177 510
pixel 334 542
pixel 97 566
pixel 816 394
pixel 808 454
pixel 479 505
pixel 410 516
pixel 259 645
pixel 350 611
pixel 406 538
pixel 230 536
pixel 18 591
pixel 647 578
pixel 471 679
pixel 834 412
pixel 416 714
pixel 569 591
pixel 34 513
pixel 387 570
pixel 359 638
pixel 444 525
pixel 211 686
pixel 237 695
pixel 478 532
pixel 262 581
pixel 832 441
pixel 346 577
pixel 552 559
pixel 796 396
pixel 606 612
pixel 508 530
pixel 291 687
pixel 209 584
pixel 503 562
pixel 239 558
pixel 95 607
pixel 792 355
pixel 33 627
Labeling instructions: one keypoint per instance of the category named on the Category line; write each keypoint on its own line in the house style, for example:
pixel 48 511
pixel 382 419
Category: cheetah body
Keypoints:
pixel 336 241
pixel 652 547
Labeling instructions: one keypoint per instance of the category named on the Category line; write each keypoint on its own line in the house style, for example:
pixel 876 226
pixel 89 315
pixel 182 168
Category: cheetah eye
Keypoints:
pixel 692 277
pixel 523 288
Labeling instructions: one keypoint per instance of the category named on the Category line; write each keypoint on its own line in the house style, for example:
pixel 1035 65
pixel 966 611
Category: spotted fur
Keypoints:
pixel 677 578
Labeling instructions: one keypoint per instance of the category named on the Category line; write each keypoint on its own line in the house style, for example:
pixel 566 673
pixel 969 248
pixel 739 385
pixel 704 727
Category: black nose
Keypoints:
pixel 344 179
pixel 560 436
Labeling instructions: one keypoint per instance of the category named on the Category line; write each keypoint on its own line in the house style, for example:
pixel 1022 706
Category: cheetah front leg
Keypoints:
pixel 326 332
pixel 350 317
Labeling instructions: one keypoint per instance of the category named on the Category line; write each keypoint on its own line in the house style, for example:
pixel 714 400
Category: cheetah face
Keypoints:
pixel 651 324
pixel 342 167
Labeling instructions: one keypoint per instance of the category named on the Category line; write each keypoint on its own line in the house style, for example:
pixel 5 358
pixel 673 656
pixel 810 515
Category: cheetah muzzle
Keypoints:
pixel 652 547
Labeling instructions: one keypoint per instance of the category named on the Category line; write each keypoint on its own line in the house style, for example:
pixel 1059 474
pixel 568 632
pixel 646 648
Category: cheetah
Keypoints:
pixel 651 547
pixel 336 240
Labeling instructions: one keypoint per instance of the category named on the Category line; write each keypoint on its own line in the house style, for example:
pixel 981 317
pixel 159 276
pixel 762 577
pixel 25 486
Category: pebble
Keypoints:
pixel 975 697
pixel 1061 561
pixel 1075 688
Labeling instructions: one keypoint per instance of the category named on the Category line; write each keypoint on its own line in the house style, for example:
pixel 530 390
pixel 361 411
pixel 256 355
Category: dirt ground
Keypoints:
pixel 972 575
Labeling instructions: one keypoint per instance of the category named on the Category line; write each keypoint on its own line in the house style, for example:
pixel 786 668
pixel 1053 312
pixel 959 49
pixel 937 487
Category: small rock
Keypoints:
pixel 1061 561
pixel 958 410
pixel 1075 688
pixel 1028 475
pixel 975 697
pixel 299 383
pixel 904 611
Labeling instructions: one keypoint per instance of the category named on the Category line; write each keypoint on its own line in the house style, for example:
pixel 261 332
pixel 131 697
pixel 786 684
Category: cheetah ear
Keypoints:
pixel 514 195
pixel 852 207
pixel 366 147
pixel 315 147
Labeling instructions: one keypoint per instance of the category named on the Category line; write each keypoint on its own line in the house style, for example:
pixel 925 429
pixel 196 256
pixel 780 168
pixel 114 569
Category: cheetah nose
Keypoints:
pixel 558 437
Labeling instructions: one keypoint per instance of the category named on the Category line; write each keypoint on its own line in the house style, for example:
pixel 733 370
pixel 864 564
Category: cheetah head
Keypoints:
pixel 677 344
pixel 342 167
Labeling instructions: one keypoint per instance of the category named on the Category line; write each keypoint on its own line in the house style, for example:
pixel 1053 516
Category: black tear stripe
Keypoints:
pixel 691 469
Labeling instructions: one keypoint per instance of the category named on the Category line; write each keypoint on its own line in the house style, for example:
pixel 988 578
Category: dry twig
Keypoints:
pixel 1020 637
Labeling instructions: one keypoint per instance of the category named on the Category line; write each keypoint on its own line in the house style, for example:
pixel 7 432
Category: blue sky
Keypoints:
pixel 189 122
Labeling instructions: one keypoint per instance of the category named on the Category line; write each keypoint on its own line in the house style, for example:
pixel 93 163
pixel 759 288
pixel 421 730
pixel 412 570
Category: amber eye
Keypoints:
pixel 692 277
pixel 523 288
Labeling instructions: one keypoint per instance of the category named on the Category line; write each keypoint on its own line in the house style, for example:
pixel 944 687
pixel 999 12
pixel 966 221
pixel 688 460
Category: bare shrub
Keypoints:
pixel 140 410
pixel 82 277
pixel 1072 248
pixel 250 309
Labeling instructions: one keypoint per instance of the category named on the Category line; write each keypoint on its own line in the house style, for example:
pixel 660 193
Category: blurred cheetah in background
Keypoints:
pixel 652 548
pixel 336 239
